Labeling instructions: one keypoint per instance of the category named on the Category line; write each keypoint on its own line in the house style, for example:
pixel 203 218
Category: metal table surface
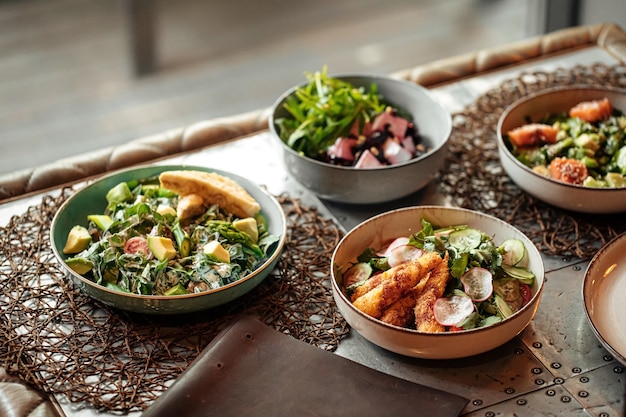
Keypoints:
pixel 555 367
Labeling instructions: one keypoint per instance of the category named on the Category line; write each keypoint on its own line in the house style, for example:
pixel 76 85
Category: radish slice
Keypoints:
pixel 357 273
pixel 478 283
pixel 401 241
pixel 403 254
pixel 453 310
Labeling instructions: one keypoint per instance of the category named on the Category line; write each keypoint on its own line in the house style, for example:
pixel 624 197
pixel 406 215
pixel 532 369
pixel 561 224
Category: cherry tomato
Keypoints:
pixel 137 244
pixel 526 293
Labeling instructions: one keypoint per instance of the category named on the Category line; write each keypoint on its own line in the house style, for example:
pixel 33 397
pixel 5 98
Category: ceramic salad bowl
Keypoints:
pixel 454 342
pixel 347 184
pixel 538 183
pixel 92 200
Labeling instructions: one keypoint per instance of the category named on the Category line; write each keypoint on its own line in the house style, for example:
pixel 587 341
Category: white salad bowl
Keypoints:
pixel 374 185
pixel 572 197
pixel 373 232
pixel 91 200
pixel 603 289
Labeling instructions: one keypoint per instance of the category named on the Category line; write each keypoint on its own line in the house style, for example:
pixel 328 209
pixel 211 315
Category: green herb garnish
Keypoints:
pixel 323 110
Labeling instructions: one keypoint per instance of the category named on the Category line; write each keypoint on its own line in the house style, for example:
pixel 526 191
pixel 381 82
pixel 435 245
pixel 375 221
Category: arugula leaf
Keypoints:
pixel 323 110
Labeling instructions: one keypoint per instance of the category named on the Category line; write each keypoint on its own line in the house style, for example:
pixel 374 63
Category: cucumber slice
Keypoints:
pixel 522 274
pixel 514 251
pixel 465 239
pixel 357 273
pixel 503 308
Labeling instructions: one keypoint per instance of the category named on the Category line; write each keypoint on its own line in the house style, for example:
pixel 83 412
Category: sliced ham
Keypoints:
pixel 342 149
pixel 367 129
pixel 367 160
pixel 397 125
pixel 408 144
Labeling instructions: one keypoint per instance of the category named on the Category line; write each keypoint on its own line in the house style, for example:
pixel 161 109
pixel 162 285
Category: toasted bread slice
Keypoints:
pixel 213 188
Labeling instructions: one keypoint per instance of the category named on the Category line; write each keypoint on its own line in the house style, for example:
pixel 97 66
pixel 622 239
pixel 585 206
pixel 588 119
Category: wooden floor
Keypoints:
pixel 67 84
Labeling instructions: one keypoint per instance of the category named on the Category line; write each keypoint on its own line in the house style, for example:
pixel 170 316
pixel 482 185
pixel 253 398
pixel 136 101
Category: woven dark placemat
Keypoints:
pixel 63 342
pixel 473 177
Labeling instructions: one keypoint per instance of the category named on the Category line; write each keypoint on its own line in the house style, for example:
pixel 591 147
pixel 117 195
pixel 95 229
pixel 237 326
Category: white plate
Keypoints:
pixel 603 295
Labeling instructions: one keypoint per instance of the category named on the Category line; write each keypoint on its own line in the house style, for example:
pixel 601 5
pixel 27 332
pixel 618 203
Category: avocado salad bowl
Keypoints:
pixel 168 239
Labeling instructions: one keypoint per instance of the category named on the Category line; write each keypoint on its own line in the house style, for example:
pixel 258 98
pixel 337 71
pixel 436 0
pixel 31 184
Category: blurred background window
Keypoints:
pixel 79 75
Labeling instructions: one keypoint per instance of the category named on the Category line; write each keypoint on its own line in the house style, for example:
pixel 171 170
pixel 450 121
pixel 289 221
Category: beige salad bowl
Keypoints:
pixel 404 222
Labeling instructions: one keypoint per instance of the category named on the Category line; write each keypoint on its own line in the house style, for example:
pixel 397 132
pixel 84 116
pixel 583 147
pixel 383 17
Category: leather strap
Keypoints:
pixel 18 399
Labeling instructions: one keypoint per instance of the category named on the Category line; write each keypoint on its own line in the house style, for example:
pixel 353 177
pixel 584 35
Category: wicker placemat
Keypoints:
pixel 63 342
pixel 474 178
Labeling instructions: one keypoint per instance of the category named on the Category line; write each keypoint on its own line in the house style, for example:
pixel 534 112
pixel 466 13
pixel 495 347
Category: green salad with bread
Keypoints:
pixel 182 232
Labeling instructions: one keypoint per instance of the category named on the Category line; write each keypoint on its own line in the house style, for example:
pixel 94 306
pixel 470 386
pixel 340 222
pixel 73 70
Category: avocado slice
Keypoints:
pixel 248 226
pixel 79 265
pixel 615 180
pixel 216 251
pixel 161 247
pixel 177 289
pixel 102 221
pixel 121 192
pixel 77 240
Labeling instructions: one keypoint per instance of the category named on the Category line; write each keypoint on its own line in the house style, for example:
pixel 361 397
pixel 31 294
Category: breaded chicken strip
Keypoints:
pixel 434 289
pixel 395 283
pixel 402 312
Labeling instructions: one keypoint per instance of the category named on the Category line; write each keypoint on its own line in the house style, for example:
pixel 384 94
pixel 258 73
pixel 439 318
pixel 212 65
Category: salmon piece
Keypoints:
pixel 435 287
pixel 533 134
pixel 568 170
pixel 395 283
pixel 592 111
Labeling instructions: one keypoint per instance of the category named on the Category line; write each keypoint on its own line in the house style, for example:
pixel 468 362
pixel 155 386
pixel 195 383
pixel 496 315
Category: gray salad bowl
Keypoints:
pixel 374 185
pixel 91 200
